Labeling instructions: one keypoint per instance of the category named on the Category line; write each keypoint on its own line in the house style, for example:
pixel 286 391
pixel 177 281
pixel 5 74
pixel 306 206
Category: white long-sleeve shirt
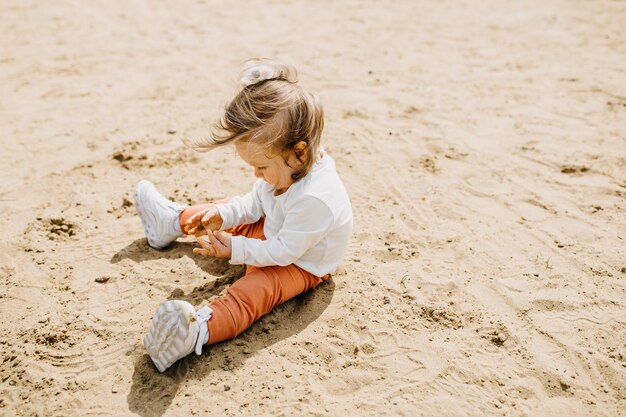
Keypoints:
pixel 309 225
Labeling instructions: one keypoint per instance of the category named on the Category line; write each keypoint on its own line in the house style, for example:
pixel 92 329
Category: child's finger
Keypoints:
pixel 206 247
pixel 199 232
pixel 197 216
pixel 215 242
pixel 203 252
pixel 222 237
pixel 192 219
pixel 204 243
pixel 208 215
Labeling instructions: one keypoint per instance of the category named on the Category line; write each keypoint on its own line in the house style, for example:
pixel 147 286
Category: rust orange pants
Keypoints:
pixel 257 292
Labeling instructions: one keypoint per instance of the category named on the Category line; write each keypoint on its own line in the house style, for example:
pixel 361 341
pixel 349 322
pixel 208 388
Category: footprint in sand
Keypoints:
pixel 132 156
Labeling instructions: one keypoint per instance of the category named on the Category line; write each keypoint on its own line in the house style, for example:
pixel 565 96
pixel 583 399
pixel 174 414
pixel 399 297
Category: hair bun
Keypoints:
pixel 263 69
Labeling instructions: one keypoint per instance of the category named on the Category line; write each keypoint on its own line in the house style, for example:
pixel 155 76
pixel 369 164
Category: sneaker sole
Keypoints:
pixel 172 334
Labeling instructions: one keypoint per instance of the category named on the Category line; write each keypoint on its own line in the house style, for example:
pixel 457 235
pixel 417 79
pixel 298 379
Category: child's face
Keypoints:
pixel 272 169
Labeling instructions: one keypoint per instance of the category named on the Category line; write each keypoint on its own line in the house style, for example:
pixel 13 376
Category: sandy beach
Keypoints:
pixel 483 145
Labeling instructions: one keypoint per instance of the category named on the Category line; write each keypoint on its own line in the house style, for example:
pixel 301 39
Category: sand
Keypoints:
pixel 484 148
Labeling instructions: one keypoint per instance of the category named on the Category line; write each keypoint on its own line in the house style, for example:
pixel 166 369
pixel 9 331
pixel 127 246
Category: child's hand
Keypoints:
pixel 203 221
pixel 215 244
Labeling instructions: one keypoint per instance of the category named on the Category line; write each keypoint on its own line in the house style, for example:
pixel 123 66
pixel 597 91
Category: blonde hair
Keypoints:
pixel 271 109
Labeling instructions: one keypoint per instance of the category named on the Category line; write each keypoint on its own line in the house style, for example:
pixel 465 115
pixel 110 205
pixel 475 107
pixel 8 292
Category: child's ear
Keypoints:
pixel 300 150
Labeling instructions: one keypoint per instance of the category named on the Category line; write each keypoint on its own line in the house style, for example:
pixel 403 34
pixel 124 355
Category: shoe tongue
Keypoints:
pixel 203 315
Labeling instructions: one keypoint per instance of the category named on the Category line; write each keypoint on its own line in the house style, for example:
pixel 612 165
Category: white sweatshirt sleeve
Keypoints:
pixel 306 223
pixel 242 210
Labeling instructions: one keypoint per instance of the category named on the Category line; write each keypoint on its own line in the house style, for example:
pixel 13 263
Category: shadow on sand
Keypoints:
pixel 152 393
pixel 140 251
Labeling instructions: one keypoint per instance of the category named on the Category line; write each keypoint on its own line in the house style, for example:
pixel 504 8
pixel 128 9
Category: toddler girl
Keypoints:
pixel 291 230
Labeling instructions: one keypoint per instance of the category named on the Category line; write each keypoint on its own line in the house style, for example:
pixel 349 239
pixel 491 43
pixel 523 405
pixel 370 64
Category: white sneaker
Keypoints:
pixel 159 216
pixel 176 331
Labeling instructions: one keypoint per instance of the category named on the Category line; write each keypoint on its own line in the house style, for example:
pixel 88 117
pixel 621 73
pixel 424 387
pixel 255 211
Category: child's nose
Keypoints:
pixel 257 173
